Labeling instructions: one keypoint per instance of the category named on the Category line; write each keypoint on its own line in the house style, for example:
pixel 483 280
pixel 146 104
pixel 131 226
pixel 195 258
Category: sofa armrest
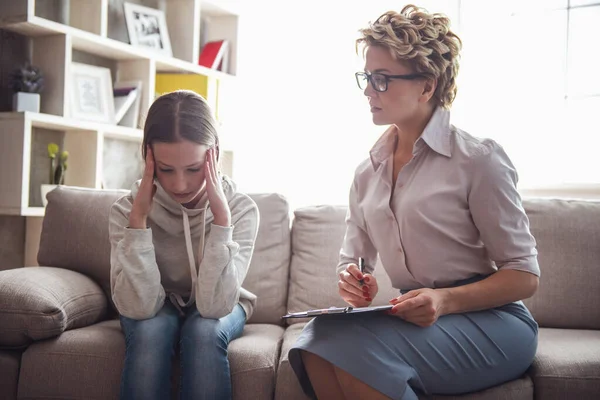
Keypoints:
pixel 42 302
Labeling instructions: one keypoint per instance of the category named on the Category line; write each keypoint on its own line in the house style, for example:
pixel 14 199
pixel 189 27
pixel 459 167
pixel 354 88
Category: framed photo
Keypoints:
pixel 92 93
pixel 147 28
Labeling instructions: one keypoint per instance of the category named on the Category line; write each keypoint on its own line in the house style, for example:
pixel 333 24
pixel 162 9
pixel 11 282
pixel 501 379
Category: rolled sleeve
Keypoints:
pixel 498 213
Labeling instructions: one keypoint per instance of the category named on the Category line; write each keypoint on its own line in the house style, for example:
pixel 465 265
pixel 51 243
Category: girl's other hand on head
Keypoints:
pixel 142 204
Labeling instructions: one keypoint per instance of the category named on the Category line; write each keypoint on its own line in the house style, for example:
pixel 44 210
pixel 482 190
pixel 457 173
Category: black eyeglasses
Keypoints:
pixel 380 81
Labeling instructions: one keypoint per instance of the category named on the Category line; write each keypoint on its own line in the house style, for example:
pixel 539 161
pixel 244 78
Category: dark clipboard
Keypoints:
pixel 336 311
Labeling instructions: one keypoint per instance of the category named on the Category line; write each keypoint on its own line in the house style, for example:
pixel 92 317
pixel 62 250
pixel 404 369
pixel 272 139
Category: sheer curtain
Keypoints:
pixel 528 78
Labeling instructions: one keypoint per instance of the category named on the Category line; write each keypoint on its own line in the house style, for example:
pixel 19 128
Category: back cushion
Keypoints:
pixel 568 242
pixel 317 235
pixel 75 237
pixel 270 267
pixel 75 232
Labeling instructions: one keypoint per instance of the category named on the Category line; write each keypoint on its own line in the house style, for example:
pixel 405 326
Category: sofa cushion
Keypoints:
pixel 269 270
pixel 518 389
pixel 568 242
pixel 317 235
pixel 75 232
pixel 87 363
pixel 567 364
pixel 41 302
pixel 10 362
pixel 84 363
pixel 288 388
pixel 253 359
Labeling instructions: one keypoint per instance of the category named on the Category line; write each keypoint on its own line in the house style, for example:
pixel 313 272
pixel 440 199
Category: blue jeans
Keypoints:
pixel 150 345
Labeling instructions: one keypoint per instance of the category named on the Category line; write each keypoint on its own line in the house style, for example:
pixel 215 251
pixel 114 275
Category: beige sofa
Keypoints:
pixel 60 339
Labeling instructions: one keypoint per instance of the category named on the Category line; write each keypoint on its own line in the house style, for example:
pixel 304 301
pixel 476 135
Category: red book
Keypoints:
pixel 213 53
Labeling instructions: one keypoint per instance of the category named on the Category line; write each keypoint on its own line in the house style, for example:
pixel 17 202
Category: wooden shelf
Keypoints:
pixel 58 123
pixel 105 47
pixel 34 212
pixel 221 8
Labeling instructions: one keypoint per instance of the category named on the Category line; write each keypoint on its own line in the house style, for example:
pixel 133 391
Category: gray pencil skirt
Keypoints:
pixel 460 353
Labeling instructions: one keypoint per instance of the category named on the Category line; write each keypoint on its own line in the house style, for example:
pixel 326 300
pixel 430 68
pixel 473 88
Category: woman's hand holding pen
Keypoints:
pixel 421 307
pixel 145 195
pixel 352 291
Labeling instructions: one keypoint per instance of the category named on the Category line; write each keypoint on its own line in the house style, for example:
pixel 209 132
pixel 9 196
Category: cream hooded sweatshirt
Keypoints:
pixel 182 256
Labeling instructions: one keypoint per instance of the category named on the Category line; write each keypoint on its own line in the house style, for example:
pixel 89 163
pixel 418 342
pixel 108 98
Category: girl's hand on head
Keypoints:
pixel 142 203
pixel 421 307
pixel 214 190
pixel 352 291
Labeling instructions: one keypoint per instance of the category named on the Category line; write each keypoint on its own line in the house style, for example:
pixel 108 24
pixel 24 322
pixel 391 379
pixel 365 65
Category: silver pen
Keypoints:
pixel 361 268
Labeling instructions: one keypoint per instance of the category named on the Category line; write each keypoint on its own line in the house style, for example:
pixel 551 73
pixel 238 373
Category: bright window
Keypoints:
pixel 528 79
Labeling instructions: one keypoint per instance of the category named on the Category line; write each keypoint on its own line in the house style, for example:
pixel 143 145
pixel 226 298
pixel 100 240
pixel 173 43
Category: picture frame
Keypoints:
pixel 91 93
pixel 147 28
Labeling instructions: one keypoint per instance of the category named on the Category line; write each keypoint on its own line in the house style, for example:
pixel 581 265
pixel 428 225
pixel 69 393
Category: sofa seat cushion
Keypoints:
pixel 288 388
pixel 518 389
pixel 253 358
pixel 83 363
pixel 86 363
pixel 10 362
pixel 567 364
pixel 42 302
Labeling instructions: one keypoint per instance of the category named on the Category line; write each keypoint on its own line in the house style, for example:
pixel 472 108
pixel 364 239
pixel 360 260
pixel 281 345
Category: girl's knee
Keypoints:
pixel 150 332
pixel 204 332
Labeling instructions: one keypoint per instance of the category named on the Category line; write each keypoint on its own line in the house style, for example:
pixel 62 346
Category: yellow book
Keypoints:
pixel 203 85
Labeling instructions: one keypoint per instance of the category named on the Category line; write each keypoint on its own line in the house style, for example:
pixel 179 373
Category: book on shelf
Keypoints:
pixel 124 99
pixel 201 84
pixel 215 55
pixel 127 96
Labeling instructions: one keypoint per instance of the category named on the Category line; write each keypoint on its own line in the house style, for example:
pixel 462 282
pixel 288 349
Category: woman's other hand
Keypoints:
pixel 421 307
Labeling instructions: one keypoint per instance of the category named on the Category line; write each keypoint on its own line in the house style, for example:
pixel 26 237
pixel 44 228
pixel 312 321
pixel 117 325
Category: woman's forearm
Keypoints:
pixel 502 287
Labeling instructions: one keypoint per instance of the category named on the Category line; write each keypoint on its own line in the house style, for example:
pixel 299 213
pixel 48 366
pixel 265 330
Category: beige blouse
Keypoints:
pixel 454 213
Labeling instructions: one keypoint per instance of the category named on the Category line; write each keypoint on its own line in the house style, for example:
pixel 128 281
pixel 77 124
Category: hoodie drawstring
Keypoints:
pixel 175 298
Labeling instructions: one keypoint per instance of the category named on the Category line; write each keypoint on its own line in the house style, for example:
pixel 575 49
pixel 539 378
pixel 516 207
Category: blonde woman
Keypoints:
pixel 440 208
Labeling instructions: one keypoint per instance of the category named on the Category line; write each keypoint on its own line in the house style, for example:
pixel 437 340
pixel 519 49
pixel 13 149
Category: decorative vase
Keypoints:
pixel 26 102
pixel 46 188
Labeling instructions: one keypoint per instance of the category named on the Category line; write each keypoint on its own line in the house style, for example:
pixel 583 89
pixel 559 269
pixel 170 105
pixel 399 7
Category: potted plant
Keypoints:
pixel 58 168
pixel 27 82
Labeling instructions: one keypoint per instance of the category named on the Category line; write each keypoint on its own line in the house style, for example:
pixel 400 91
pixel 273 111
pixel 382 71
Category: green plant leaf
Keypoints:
pixel 52 150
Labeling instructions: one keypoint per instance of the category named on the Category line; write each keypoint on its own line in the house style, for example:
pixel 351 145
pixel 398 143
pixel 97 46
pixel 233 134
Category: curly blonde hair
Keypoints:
pixel 423 40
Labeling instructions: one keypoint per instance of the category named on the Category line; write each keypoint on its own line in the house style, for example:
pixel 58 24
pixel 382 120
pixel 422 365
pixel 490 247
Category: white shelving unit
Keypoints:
pixel 55 45
pixel 89 32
